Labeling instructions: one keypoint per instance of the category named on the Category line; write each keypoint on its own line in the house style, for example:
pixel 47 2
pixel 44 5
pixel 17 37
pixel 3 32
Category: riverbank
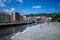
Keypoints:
pixel 56 23
pixel 2 25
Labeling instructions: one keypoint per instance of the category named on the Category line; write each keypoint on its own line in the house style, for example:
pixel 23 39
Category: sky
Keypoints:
pixel 25 7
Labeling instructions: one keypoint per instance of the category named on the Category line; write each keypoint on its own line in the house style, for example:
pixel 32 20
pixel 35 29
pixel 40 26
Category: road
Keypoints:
pixel 44 31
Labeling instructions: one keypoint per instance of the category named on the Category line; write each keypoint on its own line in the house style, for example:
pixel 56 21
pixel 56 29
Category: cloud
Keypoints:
pixel 7 0
pixel 12 9
pixel 59 3
pixel 36 6
pixel 4 0
pixel 25 11
pixel 21 1
pixel 6 10
pixel 52 8
pixel 2 3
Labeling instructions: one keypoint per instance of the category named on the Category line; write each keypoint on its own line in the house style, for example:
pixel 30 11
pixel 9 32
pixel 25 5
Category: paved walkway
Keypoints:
pixel 45 31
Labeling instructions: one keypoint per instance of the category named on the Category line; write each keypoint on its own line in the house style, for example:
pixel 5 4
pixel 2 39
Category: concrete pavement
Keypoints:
pixel 44 31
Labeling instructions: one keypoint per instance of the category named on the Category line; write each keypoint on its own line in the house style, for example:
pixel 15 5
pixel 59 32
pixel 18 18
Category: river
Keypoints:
pixel 7 32
pixel 34 31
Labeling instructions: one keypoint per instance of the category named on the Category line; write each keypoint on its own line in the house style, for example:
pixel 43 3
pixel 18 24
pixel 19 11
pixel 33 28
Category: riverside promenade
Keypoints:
pixel 44 31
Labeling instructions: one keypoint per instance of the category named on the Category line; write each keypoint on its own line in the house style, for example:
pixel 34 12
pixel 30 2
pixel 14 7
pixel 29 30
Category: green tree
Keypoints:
pixel 56 17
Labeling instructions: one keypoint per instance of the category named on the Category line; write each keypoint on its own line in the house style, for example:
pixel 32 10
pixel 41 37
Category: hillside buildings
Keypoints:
pixel 40 18
pixel 43 18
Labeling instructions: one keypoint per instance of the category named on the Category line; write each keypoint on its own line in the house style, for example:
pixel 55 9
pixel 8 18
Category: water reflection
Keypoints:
pixel 9 31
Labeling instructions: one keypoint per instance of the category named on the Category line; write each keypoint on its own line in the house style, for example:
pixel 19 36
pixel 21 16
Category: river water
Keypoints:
pixel 7 32
pixel 34 31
